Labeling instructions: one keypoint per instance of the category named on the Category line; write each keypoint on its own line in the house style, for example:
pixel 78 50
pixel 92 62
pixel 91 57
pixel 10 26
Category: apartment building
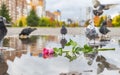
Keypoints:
pixel 16 8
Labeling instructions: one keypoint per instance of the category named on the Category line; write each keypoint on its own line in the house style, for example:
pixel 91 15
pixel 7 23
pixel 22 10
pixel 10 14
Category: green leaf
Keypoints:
pixel 73 58
pixel 73 50
pixel 60 52
pixel 87 49
pixel 77 50
pixel 67 55
pixel 68 44
pixel 55 50
pixel 71 43
pixel 86 46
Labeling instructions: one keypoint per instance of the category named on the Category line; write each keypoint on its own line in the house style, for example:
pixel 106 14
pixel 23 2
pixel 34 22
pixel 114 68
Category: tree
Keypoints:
pixel 101 20
pixel 20 23
pixel 44 22
pixel 32 18
pixel 5 12
pixel 116 21
pixel 23 21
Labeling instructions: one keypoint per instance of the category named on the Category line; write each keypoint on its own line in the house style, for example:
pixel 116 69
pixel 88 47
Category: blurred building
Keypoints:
pixel 57 15
pixel 38 6
pixel 17 8
pixel 50 15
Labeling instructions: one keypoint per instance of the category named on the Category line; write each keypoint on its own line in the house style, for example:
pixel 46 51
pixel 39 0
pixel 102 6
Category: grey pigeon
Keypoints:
pixel 63 30
pixel 103 28
pixel 91 31
pixel 96 3
pixel 3 29
pixel 100 7
pixel 26 32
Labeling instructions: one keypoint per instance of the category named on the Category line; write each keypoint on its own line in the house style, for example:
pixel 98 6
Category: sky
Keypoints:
pixel 75 9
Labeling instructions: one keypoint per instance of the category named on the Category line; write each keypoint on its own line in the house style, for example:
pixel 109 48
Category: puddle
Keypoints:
pixel 26 58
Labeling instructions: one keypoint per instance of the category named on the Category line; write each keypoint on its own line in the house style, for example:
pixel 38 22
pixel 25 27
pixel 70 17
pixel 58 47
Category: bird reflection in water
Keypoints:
pixel 104 64
pixel 3 65
pixel 104 43
pixel 25 40
pixel 71 73
pixel 119 43
pixel 31 45
pixel 100 44
pixel 91 57
pixel 63 41
pixel 29 40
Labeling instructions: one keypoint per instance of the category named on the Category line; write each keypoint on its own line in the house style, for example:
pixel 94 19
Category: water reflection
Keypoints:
pixel 91 57
pixel 3 65
pixel 26 40
pixel 63 41
pixel 104 43
pixel 27 55
pixel 119 43
pixel 104 64
pixel 99 43
pixel 71 73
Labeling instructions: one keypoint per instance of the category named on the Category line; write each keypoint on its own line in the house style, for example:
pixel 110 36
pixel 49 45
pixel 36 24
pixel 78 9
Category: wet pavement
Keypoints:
pixel 56 31
pixel 27 59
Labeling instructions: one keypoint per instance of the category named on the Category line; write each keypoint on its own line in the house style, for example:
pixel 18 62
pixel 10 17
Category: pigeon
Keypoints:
pixel 3 29
pixel 63 30
pixel 97 13
pixel 100 7
pixel 103 28
pixel 26 32
pixel 91 31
